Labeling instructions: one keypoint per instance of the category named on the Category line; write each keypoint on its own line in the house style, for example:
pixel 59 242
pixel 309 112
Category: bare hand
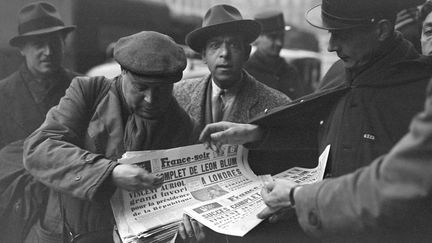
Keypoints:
pixel 134 178
pixel 216 134
pixel 276 196
pixel 191 230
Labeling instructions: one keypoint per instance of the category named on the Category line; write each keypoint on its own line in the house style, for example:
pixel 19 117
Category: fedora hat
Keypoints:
pixel 38 18
pixel 346 14
pixel 271 21
pixel 219 20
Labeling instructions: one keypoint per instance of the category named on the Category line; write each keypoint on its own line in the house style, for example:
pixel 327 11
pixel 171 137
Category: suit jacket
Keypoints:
pixel 252 99
pixel 20 114
pixel 77 147
pixel 388 201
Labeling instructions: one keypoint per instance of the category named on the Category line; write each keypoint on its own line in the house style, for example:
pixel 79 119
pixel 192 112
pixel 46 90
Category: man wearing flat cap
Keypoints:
pixel 265 64
pixel 75 151
pixel 380 84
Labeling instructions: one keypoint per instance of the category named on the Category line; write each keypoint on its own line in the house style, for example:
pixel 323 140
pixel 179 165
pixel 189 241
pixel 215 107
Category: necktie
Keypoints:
pixel 219 106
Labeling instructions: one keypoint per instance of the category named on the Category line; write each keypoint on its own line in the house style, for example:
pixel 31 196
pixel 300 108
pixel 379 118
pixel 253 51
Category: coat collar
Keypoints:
pixel 386 69
pixel 245 100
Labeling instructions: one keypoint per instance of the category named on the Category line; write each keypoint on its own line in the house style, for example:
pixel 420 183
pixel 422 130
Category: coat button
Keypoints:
pixel 313 219
pixel 77 178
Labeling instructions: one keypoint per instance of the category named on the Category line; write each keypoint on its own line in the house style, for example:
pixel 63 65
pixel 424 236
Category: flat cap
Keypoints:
pixel 151 54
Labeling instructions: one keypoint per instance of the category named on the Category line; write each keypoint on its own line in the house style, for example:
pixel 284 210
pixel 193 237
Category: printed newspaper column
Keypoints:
pixel 235 213
pixel 192 174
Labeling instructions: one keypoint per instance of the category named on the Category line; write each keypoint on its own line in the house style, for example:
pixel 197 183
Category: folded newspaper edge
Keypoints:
pixel 218 189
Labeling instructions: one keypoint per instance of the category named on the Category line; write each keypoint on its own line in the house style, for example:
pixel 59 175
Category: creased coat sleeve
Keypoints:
pixel 54 154
pixel 394 192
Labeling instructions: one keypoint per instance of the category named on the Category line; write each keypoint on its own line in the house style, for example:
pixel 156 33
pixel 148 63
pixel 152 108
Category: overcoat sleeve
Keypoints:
pixel 54 153
pixel 394 192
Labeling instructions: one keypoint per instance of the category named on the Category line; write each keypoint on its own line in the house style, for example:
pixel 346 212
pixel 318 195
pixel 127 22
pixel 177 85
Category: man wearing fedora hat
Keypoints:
pixel 265 64
pixel 228 93
pixel 27 94
pixel 382 84
pixel 25 98
pixel 75 151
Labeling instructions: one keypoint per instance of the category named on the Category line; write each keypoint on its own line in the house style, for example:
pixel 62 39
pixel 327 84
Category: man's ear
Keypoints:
pixel 248 49
pixel 384 29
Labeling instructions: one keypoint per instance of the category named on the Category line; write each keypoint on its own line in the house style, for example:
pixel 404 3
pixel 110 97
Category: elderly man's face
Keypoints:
pixel 426 37
pixel 146 100
pixel 271 43
pixel 225 56
pixel 356 46
pixel 43 53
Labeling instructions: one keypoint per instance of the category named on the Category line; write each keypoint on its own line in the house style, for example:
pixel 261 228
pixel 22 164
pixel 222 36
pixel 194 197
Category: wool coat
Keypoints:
pixel 277 74
pixel 252 99
pixel 370 117
pixel 388 201
pixel 77 147
pixel 20 113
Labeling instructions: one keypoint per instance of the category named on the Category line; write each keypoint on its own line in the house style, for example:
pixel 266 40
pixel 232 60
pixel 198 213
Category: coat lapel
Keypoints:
pixel 245 101
pixel 27 107
pixel 106 127
pixel 198 100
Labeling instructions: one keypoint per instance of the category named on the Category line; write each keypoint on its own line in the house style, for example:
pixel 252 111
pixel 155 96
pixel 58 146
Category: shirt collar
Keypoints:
pixel 231 92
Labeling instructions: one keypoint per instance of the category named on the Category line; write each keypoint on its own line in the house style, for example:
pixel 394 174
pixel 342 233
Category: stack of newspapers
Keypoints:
pixel 218 189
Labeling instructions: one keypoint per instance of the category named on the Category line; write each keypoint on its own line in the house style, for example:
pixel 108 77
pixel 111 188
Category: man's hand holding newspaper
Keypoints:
pixel 218 189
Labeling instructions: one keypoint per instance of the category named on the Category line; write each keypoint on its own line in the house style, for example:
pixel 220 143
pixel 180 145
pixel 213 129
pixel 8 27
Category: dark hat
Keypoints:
pixel 219 20
pixel 271 21
pixel 345 14
pixel 38 18
pixel 151 54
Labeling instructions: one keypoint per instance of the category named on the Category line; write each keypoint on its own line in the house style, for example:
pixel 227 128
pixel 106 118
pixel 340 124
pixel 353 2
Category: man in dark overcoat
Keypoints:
pixel 381 85
pixel 266 64
pixel 25 98
pixel 75 151
pixel 27 94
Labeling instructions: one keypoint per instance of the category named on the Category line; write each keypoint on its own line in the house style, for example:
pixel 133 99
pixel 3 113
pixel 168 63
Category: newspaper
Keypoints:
pixel 218 189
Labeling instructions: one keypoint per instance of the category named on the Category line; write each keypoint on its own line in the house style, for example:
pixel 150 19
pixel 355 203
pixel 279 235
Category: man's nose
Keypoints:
pixel 150 96
pixel 224 50
pixel 332 45
pixel 47 49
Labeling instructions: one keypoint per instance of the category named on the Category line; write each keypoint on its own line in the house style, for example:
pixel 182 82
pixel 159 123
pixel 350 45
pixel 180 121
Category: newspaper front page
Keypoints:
pixel 217 189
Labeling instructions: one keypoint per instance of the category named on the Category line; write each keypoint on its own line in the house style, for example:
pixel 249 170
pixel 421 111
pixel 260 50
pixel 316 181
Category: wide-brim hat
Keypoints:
pixel 38 18
pixel 220 20
pixel 346 14
pixel 153 56
pixel 271 21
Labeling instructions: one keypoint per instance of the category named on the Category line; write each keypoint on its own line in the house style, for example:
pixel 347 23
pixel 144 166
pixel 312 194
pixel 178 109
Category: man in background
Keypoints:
pixel 28 94
pixel 266 65
pixel 25 98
